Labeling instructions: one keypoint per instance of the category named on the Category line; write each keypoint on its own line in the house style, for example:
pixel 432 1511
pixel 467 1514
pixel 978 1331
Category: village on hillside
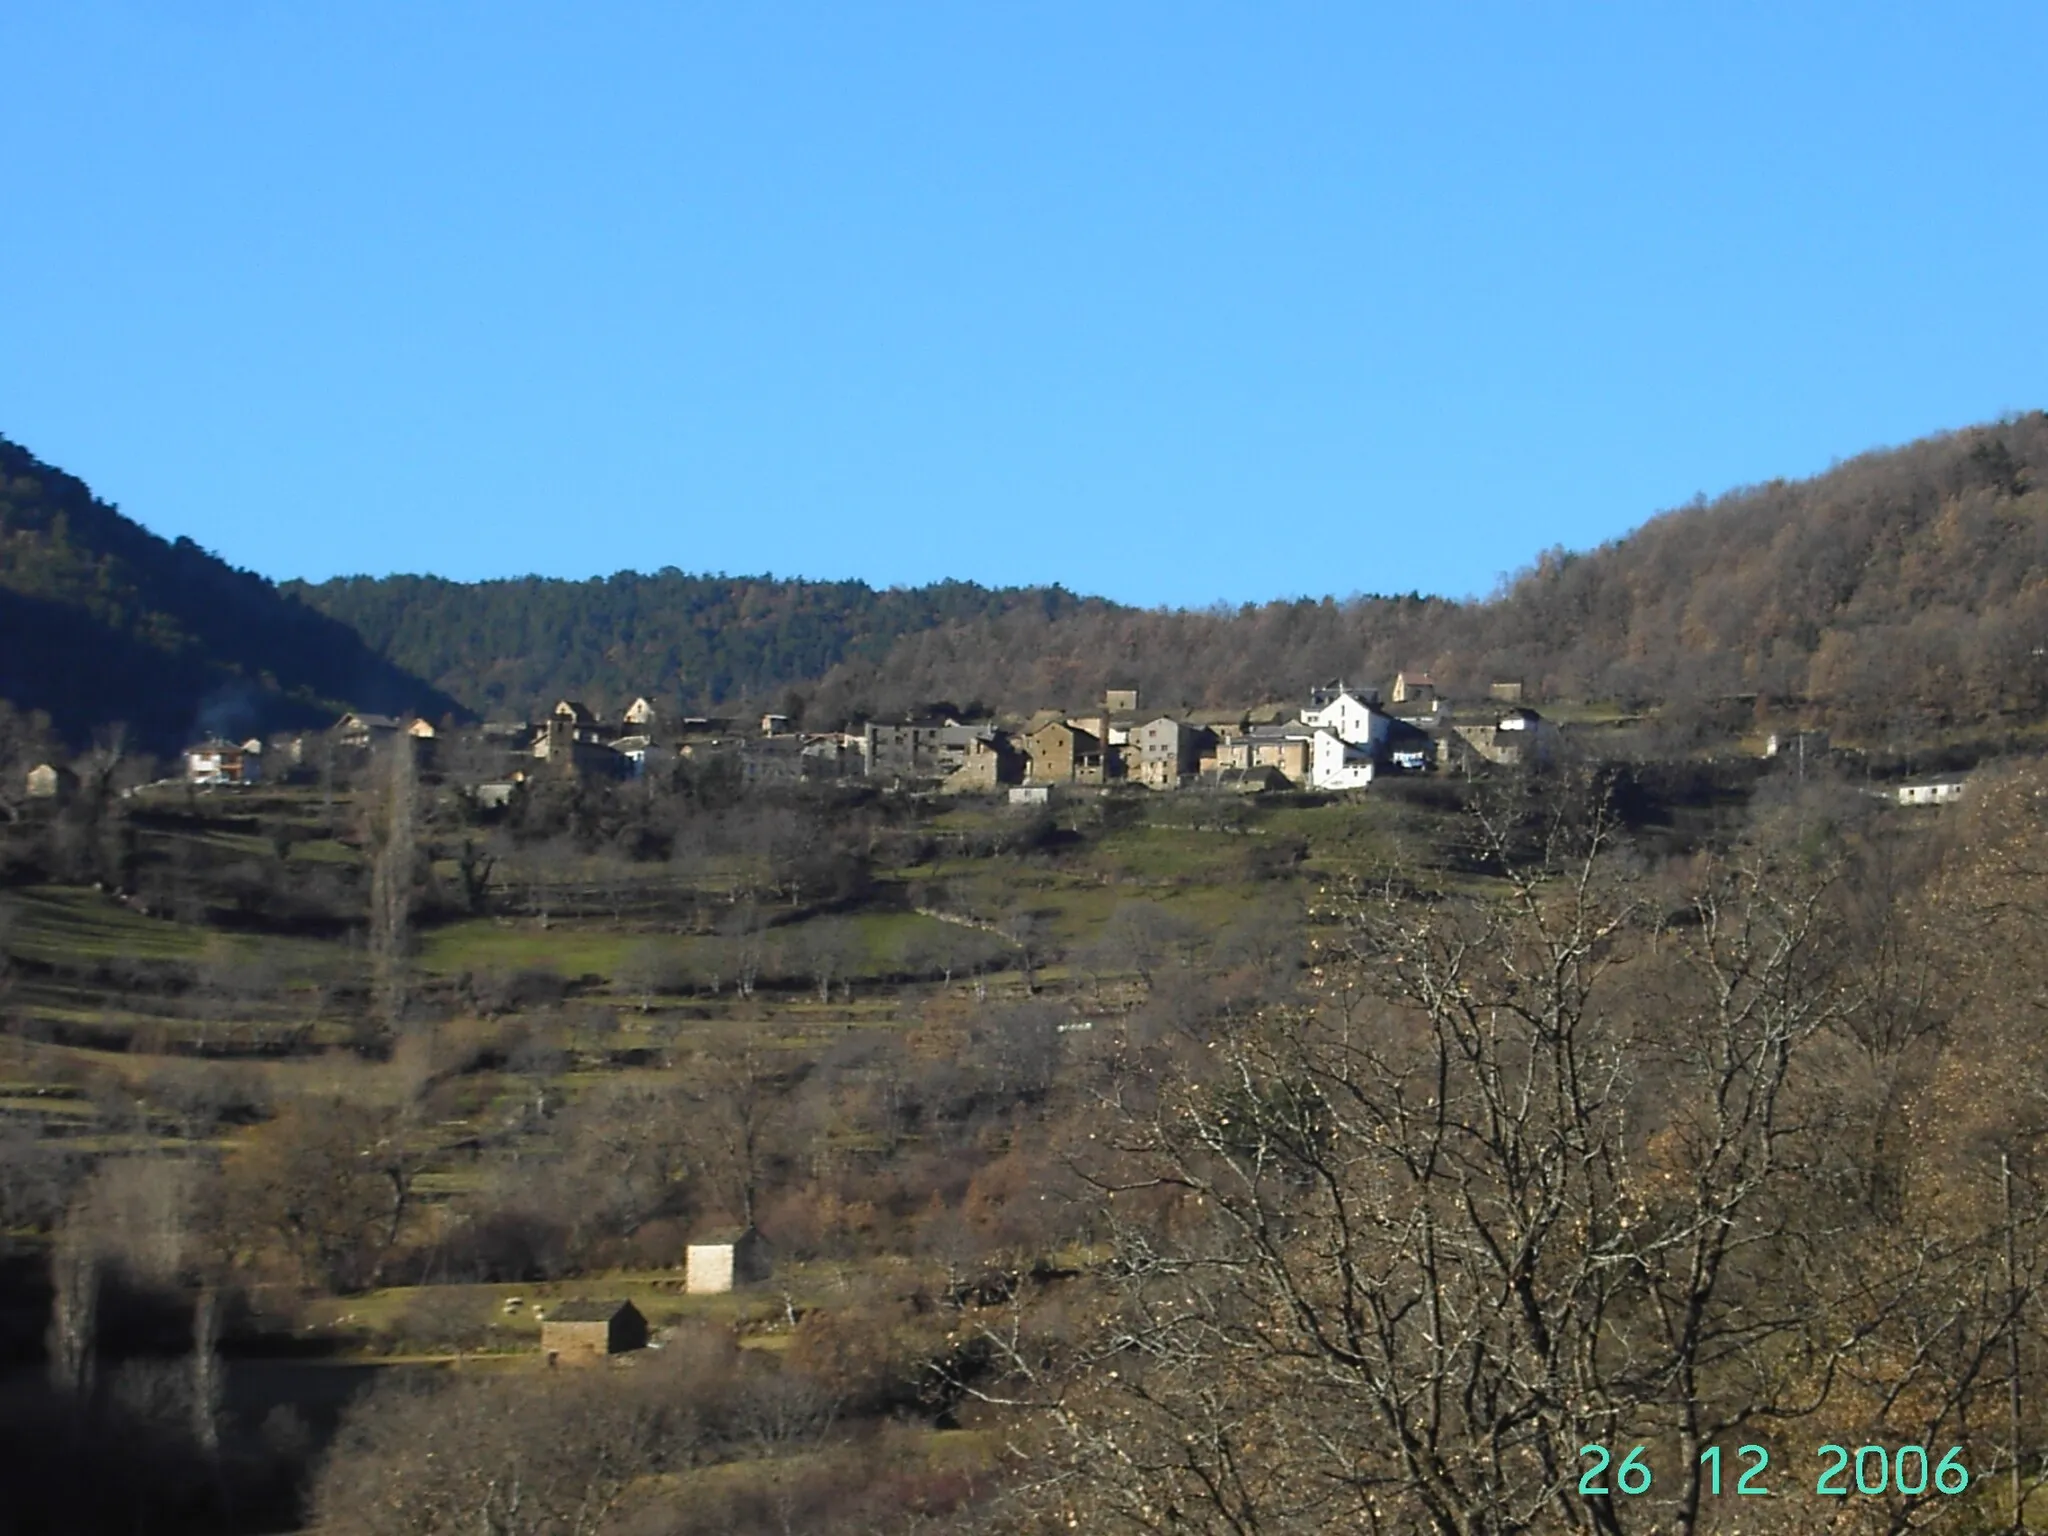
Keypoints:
pixel 1341 738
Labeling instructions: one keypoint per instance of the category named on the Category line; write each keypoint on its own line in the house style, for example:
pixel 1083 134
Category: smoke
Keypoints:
pixel 231 712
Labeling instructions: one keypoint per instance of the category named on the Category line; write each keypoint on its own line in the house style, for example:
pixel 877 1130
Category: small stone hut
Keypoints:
pixel 719 1261
pixel 587 1329
pixel 47 781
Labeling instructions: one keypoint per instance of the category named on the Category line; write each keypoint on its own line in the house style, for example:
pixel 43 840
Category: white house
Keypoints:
pixel 1338 764
pixel 1939 791
pixel 1349 718
pixel 224 762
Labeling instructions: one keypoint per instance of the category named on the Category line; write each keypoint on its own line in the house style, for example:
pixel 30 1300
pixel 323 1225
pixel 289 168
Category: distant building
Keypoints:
pixel 48 781
pixel 1286 749
pixel 988 765
pixel 1120 701
pixel 1505 690
pixel 919 749
pixel 641 715
pixel 1944 790
pixel 1031 794
pixel 572 745
pixel 1338 764
pixel 364 730
pixel 722 1261
pixel 1163 751
pixel 586 1331
pixel 578 722
pixel 1347 714
pixel 224 762
pixel 1414 688
pixel 1062 753
pixel 1801 746
pixel 1519 737
pixel 634 750
pixel 774 725
pixel 831 755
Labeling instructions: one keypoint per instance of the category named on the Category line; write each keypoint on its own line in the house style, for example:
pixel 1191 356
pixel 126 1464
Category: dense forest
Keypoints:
pixel 105 621
pixel 691 642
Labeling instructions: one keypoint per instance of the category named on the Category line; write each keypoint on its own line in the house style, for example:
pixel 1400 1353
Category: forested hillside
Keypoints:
pixel 1912 580
pixel 104 622
pixel 690 641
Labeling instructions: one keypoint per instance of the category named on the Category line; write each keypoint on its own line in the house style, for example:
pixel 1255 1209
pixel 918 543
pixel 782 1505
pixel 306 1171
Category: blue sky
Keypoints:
pixel 1176 303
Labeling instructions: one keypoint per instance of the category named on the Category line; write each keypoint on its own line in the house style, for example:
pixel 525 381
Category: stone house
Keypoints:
pixel 1521 737
pixel 721 1261
pixel 831 755
pixel 920 749
pixel 1414 688
pixel 1164 751
pixel 1062 753
pixel 1120 701
pixel 570 747
pixel 640 715
pixel 587 1330
pixel 1287 749
pixel 988 765
pixel 579 722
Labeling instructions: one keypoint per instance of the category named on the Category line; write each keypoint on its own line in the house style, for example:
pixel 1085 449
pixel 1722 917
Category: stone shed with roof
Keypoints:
pixel 588 1329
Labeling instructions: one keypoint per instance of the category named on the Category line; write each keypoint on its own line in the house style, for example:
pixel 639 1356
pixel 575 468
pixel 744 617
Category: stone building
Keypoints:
pixel 1415 688
pixel 1062 753
pixel 920 749
pixel 586 1330
pixel 720 1261
pixel 48 781
pixel 987 766
pixel 1163 752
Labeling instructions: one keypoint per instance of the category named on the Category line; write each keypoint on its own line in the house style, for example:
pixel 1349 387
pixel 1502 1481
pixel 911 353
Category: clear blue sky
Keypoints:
pixel 1173 302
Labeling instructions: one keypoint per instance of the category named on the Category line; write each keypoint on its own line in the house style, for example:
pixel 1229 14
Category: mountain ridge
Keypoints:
pixel 106 621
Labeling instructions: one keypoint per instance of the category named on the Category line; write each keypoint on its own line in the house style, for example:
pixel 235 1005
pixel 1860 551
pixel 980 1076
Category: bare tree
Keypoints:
pixel 394 859
pixel 1558 1168
pixel 74 1311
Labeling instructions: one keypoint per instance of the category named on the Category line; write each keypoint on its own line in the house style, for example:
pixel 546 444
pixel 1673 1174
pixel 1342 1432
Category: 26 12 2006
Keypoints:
pixel 1842 1472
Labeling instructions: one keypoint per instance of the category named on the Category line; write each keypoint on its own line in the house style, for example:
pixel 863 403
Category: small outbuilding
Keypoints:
pixel 585 1330
pixel 49 781
pixel 721 1261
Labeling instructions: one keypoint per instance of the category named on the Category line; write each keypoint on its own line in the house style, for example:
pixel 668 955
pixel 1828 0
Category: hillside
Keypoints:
pixel 105 621
pixel 1906 584
pixel 691 641
pixel 1913 581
